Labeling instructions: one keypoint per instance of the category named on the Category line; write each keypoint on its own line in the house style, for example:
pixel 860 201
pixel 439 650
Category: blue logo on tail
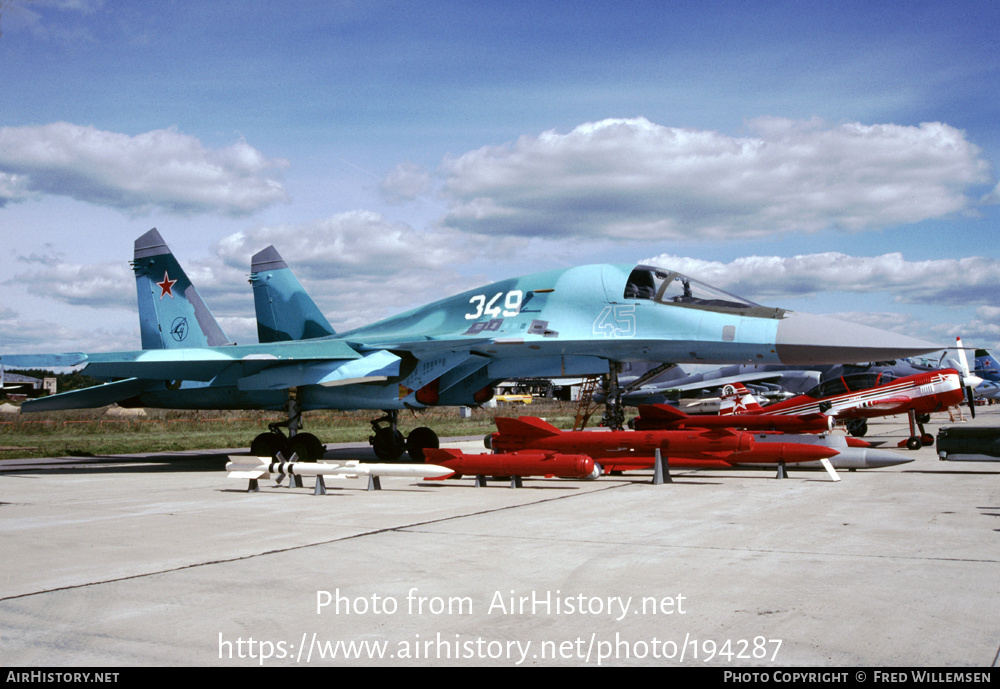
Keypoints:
pixel 179 328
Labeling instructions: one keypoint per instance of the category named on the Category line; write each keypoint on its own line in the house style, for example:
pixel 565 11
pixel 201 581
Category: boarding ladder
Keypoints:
pixel 585 405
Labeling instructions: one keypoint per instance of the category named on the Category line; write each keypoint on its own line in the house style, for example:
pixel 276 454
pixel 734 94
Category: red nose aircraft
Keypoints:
pixel 863 396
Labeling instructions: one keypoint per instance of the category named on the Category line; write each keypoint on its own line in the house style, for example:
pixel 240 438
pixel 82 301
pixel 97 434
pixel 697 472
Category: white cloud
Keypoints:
pixel 355 243
pixel 359 266
pixel 98 285
pixel 973 280
pixel 160 169
pixel 633 179
pixel 406 182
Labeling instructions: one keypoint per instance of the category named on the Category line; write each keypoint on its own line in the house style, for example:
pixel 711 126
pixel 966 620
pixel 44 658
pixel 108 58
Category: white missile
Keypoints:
pixel 262 467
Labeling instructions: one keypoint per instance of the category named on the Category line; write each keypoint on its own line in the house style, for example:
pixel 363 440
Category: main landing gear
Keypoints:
pixel 388 442
pixel 614 412
pixel 306 446
pixel 915 442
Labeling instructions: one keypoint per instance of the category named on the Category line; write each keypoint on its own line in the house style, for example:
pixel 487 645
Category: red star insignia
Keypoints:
pixel 167 286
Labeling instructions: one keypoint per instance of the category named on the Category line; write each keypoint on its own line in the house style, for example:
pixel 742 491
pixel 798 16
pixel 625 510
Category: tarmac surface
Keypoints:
pixel 149 560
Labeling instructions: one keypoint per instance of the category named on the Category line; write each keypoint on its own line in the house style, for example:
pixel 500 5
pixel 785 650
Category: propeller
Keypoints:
pixel 969 380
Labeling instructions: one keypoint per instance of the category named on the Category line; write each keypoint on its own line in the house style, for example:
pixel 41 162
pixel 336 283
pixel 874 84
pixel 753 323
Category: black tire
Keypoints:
pixel 388 444
pixel 914 444
pixel 419 440
pixel 306 446
pixel 857 427
pixel 269 445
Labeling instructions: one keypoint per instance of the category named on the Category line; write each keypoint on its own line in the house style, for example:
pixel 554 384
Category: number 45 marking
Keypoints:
pixel 616 321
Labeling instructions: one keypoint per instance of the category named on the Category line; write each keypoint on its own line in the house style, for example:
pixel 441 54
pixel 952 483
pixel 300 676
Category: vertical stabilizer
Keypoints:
pixel 736 399
pixel 284 310
pixel 172 314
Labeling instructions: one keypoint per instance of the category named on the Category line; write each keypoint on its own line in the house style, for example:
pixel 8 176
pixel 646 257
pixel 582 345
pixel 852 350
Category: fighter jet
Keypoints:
pixel 578 321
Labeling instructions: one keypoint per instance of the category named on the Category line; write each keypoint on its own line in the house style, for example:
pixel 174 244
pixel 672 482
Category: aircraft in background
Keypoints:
pixel 584 320
pixel 666 417
pixel 955 358
pixel 683 387
pixel 855 398
pixel 853 453
pixel 987 367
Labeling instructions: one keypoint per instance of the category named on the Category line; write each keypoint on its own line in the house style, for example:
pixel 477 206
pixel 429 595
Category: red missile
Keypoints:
pixel 528 432
pixel 760 453
pixel 523 463
pixel 772 453
pixel 664 417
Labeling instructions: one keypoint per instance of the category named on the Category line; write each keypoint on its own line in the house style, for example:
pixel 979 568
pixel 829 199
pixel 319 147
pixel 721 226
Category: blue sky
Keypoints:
pixel 837 157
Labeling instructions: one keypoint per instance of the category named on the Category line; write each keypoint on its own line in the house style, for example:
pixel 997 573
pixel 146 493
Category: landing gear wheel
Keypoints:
pixel 306 446
pixel 857 427
pixel 913 444
pixel 419 440
pixel 388 444
pixel 923 418
pixel 269 445
pixel 927 440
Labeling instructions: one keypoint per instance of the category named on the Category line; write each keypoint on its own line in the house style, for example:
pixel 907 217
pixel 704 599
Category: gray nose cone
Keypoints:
pixel 807 339
pixel 877 459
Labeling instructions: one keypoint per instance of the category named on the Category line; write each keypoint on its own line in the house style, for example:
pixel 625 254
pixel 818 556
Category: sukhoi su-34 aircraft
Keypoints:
pixel 577 321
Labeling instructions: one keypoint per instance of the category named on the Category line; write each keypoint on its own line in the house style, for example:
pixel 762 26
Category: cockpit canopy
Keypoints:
pixel 670 287
pixel 841 385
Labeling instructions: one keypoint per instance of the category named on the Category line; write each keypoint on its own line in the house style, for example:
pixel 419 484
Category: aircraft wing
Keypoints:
pixel 196 363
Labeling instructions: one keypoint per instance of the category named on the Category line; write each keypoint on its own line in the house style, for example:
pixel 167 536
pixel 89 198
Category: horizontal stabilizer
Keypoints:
pixel 205 363
pixel 372 368
pixel 43 360
pixel 97 396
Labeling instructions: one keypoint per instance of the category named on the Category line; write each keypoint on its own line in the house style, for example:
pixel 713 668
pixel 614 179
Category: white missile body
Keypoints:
pixel 262 467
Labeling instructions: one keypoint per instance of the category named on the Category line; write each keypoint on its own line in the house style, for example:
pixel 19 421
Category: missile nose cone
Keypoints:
pixel 807 339
pixel 879 459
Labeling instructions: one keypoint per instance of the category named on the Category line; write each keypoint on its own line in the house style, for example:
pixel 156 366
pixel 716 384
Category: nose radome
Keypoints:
pixel 807 339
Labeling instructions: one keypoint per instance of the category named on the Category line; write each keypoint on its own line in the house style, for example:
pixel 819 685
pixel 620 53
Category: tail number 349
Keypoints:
pixel 511 305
